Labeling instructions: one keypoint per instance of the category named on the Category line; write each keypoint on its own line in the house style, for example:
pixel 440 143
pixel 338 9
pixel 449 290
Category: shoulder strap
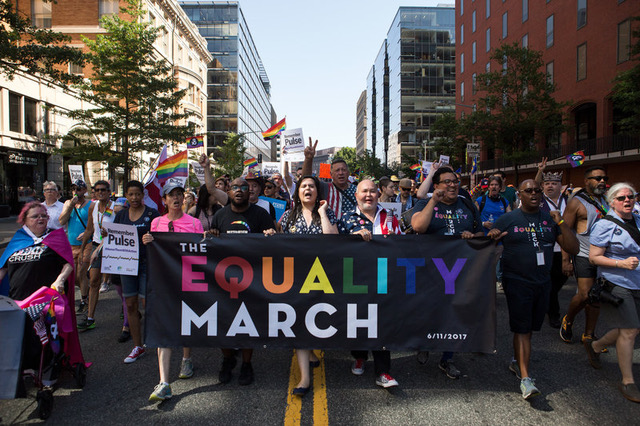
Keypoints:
pixel 632 230
pixel 483 201
pixel 504 203
pixel 75 209
pixel 589 200
pixel 471 208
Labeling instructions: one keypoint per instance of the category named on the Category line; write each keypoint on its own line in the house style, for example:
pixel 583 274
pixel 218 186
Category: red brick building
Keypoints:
pixel 585 44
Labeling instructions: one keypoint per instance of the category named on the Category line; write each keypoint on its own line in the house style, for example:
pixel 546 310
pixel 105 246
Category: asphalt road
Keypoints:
pixel 115 393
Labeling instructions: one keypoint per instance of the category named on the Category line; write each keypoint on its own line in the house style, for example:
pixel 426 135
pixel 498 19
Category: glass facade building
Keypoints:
pixel 412 82
pixel 238 88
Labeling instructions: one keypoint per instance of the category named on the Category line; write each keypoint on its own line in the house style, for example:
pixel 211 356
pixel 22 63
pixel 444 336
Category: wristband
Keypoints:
pixel 561 222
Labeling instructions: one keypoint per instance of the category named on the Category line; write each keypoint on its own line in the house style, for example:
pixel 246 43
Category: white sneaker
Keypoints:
pixel 386 381
pixel 357 367
pixel 136 353
pixel 104 287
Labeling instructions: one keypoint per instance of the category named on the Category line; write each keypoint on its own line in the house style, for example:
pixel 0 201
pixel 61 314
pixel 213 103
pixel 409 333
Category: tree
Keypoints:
pixel 517 107
pixel 450 137
pixel 626 90
pixel 348 154
pixel 230 156
pixel 369 164
pixel 134 94
pixel 38 51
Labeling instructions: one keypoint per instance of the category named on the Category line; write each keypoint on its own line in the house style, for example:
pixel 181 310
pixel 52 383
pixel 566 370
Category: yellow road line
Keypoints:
pixel 320 408
pixel 292 414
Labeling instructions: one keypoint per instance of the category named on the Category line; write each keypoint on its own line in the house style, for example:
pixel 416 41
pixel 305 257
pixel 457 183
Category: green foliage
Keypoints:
pixel 369 165
pixel 134 93
pixel 451 137
pixel 626 90
pixel 348 154
pixel 230 156
pixel 34 50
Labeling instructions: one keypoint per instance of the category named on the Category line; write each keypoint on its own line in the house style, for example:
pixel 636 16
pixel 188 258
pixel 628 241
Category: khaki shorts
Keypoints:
pixel 86 256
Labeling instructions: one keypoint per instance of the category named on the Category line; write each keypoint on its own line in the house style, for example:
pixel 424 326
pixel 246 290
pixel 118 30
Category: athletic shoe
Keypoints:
pixel 125 335
pixel 186 369
pixel 422 357
pixel 87 324
pixel 357 367
pixel 554 322
pixel 104 287
pixel 83 307
pixel 630 392
pixel 161 392
pixel 449 368
pixel 592 337
pixel 594 357
pixel 137 353
pixel 386 381
pixel 228 365
pixel 246 374
pixel 515 368
pixel 528 388
pixel 566 330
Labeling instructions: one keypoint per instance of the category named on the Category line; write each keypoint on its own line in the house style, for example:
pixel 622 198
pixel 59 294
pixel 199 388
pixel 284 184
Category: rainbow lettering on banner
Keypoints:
pixel 251 162
pixel 174 166
pixel 195 142
pixel 576 159
pixel 275 130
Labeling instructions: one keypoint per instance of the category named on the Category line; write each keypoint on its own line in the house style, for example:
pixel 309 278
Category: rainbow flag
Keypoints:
pixel 251 162
pixel 174 166
pixel 416 167
pixel 195 142
pixel 275 130
pixel 576 159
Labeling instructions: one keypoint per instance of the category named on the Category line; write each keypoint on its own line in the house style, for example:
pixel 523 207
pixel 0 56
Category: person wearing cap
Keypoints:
pixel 75 215
pixel 255 181
pixel 175 220
pixel 404 196
pixel 53 206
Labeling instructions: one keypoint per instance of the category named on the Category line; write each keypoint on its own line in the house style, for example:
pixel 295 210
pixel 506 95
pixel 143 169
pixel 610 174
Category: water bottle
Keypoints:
pixel 491 219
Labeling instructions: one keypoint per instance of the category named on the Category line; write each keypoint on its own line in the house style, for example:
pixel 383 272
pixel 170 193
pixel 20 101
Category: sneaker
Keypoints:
pixel 87 324
pixel 357 367
pixel 186 369
pixel 528 388
pixel 566 330
pixel 386 381
pixel 125 335
pixel 137 353
pixel 83 307
pixel 228 365
pixel 449 368
pixel 161 392
pixel 594 357
pixel 592 337
pixel 422 357
pixel 515 368
pixel 246 374
pixel 630 392
pixel 104 287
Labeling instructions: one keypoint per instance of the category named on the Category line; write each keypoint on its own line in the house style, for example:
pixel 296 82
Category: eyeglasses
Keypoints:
pixel 101 189
pixel 599 178
pixel 450 181
pixel 532 190
pixel 625 197
pixel 242 188
pixel 39 216
pixel 50 190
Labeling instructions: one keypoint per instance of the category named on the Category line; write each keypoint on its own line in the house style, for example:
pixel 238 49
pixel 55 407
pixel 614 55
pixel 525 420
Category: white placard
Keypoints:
pixel 270 168
pixel 444 160
pixel 120 252
pixel 393 208
pixel 76 173
pixel 426 167
pixel 292 145
pixel 198 171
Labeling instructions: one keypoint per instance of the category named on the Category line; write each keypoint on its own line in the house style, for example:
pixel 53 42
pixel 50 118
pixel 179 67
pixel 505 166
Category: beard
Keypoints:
pixel 599 191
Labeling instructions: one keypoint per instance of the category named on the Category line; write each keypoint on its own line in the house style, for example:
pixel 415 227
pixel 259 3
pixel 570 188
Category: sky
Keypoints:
pixel 318 55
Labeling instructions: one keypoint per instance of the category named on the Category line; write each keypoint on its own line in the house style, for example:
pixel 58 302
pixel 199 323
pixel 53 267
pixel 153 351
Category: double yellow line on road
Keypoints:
pixel 293 412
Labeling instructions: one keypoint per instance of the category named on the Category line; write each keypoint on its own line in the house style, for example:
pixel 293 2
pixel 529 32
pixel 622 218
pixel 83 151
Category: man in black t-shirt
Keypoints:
pixel 240 217
pixel 529 235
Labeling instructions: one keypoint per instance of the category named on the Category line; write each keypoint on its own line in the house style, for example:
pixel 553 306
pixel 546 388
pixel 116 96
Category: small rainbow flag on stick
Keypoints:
pixel 576 159
pixel 174 166
pixel 250 162
pixel 416 167
pixel 195 142
pixel 275 130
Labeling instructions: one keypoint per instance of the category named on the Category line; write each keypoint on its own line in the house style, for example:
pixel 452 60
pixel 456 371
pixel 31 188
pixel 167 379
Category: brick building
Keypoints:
pixel 585 44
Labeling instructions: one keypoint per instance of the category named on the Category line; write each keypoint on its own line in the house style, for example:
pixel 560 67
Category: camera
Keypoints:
pixel 601 293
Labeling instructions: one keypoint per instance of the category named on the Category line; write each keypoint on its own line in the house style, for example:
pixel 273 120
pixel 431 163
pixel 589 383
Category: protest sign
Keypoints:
pixel 76 173
pixel 393 208
pixel 444 160
pixel 325 171
pixel 270 168
pixel 198 170
pixel 426 167
pixel 120 252
pixel 279 205
pixel 402 292
pixel 292 145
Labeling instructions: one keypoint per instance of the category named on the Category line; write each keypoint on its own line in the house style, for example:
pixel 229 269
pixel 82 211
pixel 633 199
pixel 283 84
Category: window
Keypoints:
pixel 550 72
pixel 46 120
pixel 624 40
pixel 75 69
pixel 582 62
pixel 550 31
pixel 461 7
pixel 582 13
pixel 488 40
pixel 462 91
pixel 14 112
pixel 108 7
pixel 461 63
pixel 462 34
pixel 525 40
pixel 30 117
pixel 473 84
pixel 473 21
pixel 41 14
pixel 487 67
pixel 473 52
pixel 525 10
pixel 504 25
pixel 488 8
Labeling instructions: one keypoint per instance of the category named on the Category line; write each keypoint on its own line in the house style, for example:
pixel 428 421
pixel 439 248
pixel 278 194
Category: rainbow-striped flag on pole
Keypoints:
pixel 195 142
pixel 176 166
pixel 275 130
pixel 250 162
pixel 576 159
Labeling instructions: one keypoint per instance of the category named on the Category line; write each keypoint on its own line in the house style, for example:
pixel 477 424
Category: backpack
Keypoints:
pixel 484 201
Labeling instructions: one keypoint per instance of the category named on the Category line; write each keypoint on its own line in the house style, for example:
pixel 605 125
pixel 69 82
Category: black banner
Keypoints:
pixel 411 292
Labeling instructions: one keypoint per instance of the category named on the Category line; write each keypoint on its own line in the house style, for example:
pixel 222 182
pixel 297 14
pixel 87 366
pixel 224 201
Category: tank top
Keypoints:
pixel 100 218
pixel 75 226
pixel 593 215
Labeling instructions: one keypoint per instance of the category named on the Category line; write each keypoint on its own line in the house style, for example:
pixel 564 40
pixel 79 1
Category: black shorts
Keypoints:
pixel 582 268
pixel 96 264
pixel 527 303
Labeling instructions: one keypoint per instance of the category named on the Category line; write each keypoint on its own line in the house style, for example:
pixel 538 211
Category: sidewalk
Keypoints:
pixel 8 227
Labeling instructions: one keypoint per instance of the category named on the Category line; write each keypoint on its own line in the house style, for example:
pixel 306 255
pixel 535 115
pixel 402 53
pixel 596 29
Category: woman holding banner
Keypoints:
pixel 174 221
pixel 309 215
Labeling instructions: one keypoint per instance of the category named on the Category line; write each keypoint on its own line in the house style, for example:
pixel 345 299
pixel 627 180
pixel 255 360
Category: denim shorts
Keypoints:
pixel 135 285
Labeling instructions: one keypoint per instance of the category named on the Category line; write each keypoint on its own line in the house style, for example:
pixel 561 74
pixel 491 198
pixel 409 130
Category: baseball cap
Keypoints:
pixel 405 183
pixel 170 186
pixel 79 183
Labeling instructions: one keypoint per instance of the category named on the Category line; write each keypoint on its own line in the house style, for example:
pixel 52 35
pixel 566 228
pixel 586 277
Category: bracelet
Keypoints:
pixel 561 222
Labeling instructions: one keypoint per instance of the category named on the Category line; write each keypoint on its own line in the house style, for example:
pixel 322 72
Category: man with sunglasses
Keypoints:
pixel 240 217
pixel 585 208
pixel 405 196
pixel 529 236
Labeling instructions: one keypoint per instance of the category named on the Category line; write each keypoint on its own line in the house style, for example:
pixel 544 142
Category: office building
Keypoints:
pixel 361 124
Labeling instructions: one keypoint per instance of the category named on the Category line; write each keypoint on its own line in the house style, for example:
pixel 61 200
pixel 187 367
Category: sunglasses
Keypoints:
pixel 625 197
pixel 599 178
pixel 242 188
pixel 406 189
pixel 101 189
pixel 532 190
